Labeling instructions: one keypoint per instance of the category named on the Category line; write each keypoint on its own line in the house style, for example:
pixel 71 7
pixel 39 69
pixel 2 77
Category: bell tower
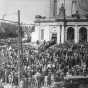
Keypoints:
pixel 74 8
pixel 51 8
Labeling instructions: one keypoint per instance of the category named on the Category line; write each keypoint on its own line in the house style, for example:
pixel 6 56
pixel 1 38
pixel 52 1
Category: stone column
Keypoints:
pixel 50 35
pixel 87 34
pixel 65 35
pixel 76 34
pixel 39 34
pixel 62 34
pixel 58 35
pixel 47 33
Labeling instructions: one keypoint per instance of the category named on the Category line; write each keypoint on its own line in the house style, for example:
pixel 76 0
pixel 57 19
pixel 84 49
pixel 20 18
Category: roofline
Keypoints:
pixel 62 20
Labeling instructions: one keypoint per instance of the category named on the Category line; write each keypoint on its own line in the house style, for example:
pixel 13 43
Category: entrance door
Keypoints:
pixel 70 34
pixel 54 37
pixel 83 34
pixel 85 37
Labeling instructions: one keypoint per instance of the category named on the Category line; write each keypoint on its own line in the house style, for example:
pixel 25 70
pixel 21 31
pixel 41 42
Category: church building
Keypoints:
pixel 64 20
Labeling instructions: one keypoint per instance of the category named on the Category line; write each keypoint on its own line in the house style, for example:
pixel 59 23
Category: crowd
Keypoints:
pixel 45 65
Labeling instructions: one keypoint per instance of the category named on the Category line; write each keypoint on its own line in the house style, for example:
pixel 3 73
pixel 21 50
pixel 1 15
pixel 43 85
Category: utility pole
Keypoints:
pixel 19 48
pixel 21 51
pixel 64 22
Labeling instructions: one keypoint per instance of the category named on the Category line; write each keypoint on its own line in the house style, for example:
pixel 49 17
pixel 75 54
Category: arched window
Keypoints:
pixel 55 8
pixel 42 34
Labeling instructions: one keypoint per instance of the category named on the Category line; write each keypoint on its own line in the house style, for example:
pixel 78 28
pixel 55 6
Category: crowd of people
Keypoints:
pixel 44 65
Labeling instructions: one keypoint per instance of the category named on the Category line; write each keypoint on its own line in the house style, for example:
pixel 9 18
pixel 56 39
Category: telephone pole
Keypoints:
pixel 19 48
pixel 64 21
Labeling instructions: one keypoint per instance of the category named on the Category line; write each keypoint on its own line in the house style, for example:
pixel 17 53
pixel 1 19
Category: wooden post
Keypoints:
pixel 18 48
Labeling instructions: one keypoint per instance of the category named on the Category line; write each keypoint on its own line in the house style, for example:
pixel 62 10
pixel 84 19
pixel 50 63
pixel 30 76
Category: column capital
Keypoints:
pixel 74 1
pixel 76 24
pixel 61 23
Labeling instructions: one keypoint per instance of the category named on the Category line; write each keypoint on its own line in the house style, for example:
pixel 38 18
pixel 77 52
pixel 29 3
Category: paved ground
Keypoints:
pixel 8 86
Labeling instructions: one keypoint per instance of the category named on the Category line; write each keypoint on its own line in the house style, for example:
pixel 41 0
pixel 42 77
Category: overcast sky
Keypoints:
pixel 28 9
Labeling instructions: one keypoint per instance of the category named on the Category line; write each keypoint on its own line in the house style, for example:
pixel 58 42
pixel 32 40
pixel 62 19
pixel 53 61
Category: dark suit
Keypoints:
pixel 1 86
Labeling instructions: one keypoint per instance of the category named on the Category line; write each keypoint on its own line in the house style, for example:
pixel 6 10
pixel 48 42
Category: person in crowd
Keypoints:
pixel 9 76
pixel 46 81
pixel 49 80
pixel 50 62
pixel 21 83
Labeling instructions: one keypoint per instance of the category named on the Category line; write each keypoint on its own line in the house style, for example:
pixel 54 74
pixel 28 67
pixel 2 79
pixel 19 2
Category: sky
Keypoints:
pixel 28 9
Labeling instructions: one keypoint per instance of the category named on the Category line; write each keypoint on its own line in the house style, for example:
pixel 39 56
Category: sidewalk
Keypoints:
pixel 8 86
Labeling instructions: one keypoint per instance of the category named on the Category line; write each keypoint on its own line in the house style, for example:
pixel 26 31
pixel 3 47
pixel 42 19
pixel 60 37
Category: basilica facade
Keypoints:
pixel 65 20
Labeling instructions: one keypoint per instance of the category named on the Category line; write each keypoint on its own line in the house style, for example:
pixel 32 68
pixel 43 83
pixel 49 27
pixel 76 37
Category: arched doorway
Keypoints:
pixel 70 34
pixel 83 34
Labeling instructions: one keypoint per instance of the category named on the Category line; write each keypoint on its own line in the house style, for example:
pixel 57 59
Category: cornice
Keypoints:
pixel 62 20
pixel 72 20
